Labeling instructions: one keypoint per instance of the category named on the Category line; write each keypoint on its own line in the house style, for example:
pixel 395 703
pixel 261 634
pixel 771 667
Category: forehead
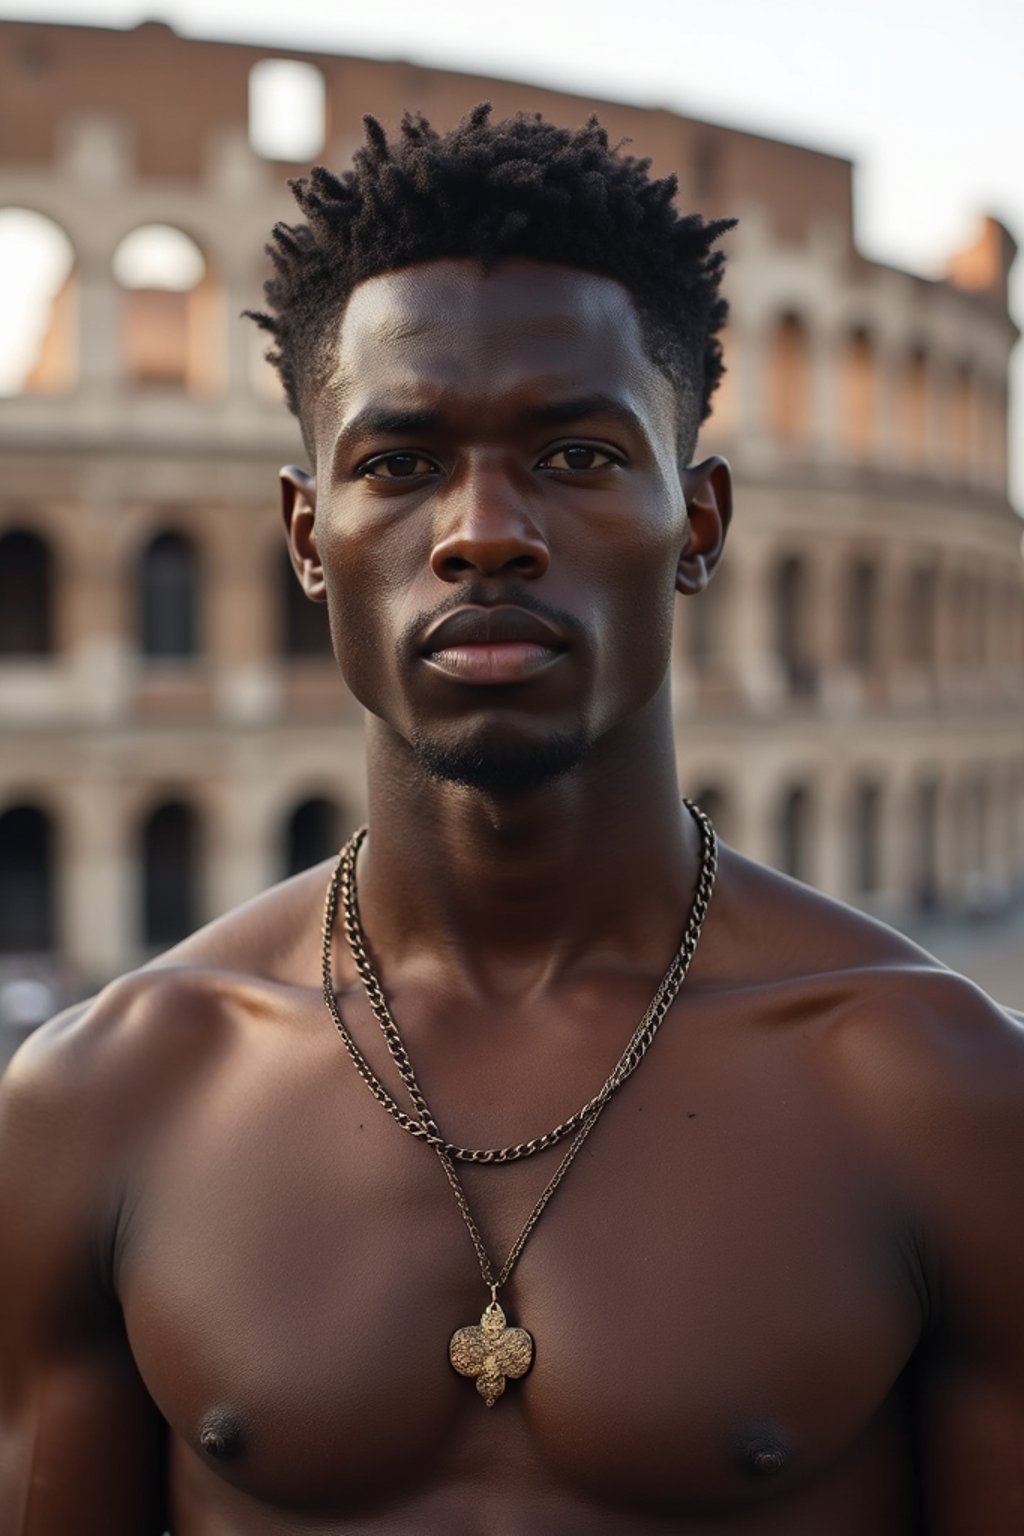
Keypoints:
pixel 447 332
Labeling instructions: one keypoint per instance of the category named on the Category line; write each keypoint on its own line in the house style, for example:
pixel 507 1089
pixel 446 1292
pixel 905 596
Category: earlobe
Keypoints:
pixel 707 488
pixel 298 510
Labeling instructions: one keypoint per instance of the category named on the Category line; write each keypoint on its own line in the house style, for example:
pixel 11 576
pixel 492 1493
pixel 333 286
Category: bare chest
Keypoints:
pixel 716 1297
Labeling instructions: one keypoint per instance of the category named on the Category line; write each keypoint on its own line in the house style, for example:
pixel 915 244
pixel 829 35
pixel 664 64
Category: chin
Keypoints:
pixel 503 768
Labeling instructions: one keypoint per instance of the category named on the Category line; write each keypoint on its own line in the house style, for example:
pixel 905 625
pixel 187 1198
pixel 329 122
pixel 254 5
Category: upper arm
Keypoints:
pixel 963 1148
pixel 79 1436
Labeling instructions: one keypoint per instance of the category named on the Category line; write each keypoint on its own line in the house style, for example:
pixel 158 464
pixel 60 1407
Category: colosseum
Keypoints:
pixel 848 692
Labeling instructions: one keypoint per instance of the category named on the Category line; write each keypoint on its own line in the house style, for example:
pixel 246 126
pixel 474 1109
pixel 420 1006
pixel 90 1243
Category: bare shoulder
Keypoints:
pixel 924 1068
pixel 103 1074
pixel 914 1045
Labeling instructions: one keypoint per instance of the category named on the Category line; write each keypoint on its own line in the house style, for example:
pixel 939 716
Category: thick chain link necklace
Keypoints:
pixel 491 1351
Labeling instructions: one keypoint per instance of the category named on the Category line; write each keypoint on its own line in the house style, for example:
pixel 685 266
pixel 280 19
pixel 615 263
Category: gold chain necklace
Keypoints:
pixel 491 1351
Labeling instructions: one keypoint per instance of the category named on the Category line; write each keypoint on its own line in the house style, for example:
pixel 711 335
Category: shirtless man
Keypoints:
pixel 780 1291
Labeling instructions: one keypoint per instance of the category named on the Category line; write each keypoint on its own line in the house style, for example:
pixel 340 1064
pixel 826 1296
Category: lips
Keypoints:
pixel 492 645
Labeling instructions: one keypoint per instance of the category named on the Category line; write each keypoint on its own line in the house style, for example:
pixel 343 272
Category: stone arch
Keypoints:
pixel 921 617
pixel 913 404
pixel 789 394
pixel 169 597
pixel 859 379
pixel 973 817
pixel 313 829
pixel 26 595
pixel 169 308
pixel 38 344
pixel 170 859
pixel 960 409
pixel 924 844
pixel 28 917
pixel 795 831
pixel 792 625
pixel 302 626
pixel 862 615
pixel 287 110
pixel 866 810
pixel 708 628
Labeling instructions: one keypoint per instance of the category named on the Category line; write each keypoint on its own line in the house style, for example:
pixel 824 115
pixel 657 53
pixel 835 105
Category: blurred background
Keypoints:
pixel 849 691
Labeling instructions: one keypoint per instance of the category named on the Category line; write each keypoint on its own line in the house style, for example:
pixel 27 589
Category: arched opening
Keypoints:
pixel 866 838
pixel 314 831
pixel 913 407
pixel 974 825
pixel 795 832
pixel 792 627
pixel 26 595
pixel 997 434
pixel 708 614
pixel 287 102
pixel 924 850
pixel 169 598
pixel 38 305
pixel 981 614
pixel 961 409
pixel 921 613
pixel 862 616
pixel 27 895
pixel 859 393
pixel 168 310
pixel 789 392
pixel 170 874
pixel 303 627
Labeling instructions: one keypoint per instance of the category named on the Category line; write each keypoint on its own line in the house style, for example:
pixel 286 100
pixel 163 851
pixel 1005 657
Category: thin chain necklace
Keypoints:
pixel 423 1125
pixel 491 1351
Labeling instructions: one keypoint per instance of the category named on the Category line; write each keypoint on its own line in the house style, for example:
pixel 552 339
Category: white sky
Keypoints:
pixel 927 96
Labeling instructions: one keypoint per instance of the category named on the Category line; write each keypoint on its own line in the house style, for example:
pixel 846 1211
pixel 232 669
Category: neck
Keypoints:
pixel 511 891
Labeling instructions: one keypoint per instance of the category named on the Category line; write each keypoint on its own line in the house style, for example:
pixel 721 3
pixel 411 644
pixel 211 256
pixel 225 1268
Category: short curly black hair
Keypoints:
pixel 521 187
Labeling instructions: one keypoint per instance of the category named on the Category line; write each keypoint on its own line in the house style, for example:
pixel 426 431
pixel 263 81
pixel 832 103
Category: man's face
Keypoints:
pixel 499 514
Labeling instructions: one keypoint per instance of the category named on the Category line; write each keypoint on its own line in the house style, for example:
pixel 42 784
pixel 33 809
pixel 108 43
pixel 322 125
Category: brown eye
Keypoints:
pixel 578 457
pixel 398 466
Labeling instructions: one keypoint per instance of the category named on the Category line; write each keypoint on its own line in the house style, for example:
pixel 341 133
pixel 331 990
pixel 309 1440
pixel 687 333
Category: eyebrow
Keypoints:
pixel 381 421
pixel 561 413
pixel 375 421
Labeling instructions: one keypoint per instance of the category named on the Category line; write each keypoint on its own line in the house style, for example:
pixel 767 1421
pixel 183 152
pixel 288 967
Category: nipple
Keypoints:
pixel 768 1460
pixel 220 1436
pixel 763 1451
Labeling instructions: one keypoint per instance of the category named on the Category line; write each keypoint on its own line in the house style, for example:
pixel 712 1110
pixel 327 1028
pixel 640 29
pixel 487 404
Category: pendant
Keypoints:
pixel 491 1351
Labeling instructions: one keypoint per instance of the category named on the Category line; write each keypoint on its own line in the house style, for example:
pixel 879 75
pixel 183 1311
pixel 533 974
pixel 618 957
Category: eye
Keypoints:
pixel 397 466
pixel 579 458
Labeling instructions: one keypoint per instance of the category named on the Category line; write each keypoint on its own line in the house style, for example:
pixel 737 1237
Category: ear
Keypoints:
pixel 298 508
pixel 707 488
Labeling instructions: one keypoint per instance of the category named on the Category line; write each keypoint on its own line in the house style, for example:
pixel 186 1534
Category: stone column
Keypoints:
pixel 825 365
pixel 97 881
pixel 243 621
pixel 752 656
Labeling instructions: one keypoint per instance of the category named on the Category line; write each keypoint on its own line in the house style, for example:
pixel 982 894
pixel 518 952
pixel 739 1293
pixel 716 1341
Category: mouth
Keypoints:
pixel 492 645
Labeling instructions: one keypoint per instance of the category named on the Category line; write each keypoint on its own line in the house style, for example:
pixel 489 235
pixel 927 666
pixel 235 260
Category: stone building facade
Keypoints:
pixel 848 691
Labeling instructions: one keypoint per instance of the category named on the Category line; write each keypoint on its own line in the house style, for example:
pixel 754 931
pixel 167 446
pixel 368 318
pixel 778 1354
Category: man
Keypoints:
pixel 778 1288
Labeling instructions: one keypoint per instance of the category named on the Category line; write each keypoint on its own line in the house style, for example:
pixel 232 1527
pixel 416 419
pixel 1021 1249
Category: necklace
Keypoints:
pixel 491 1351
pixel 422 1123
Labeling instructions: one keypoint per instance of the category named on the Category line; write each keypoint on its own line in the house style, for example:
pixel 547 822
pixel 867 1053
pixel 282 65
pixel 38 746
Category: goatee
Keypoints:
pixel 501 770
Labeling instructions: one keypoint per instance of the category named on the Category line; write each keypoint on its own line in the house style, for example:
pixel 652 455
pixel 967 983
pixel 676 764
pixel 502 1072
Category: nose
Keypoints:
pixel 487 531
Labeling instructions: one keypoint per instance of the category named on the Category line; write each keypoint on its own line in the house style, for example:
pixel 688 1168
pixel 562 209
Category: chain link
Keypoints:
pixel 422 1125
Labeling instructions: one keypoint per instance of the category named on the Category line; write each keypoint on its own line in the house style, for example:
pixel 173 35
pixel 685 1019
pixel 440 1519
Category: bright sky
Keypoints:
pixel 927 96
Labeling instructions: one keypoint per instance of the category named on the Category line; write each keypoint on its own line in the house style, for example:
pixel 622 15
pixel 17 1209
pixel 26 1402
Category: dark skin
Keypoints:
pixel 780 1289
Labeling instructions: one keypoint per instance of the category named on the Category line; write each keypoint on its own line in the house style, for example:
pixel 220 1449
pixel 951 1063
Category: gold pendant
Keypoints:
pixel 490 1352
